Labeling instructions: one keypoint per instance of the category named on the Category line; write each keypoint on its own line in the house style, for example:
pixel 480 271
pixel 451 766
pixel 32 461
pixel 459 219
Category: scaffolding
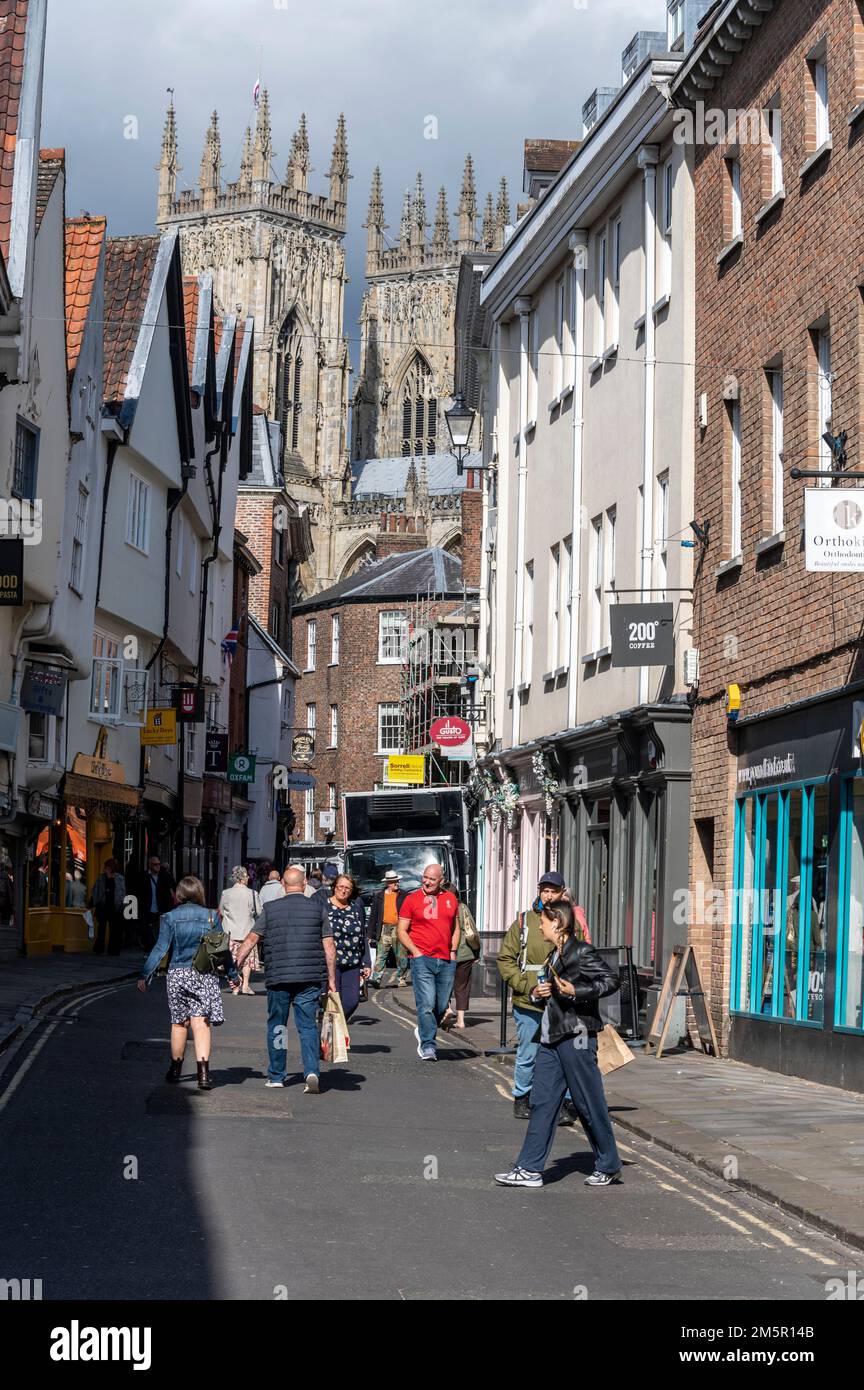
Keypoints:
pixel 438 678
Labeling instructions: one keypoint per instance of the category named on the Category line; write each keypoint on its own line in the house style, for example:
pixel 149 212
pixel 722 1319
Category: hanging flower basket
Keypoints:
pixel 549 785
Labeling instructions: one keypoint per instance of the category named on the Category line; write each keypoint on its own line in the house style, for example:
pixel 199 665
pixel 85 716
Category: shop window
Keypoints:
pixel 780 885
pixel 850 956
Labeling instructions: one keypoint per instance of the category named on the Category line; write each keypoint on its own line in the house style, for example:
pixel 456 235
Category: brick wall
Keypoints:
pixel 254 517
pixel 472 535
pixel 777 631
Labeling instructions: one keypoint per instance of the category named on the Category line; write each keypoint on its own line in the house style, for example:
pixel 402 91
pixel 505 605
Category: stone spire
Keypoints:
pixel 375 224
pixel 298 160
pixel 418 224
pixel 405 227
pixel 338 170
pixel 262 149
pixel 441 244
pixel 412 489
pixel 502 214
pixel 468 209
pixel 209 178
pixel 245 180
pixel 487 233
pixel 168 167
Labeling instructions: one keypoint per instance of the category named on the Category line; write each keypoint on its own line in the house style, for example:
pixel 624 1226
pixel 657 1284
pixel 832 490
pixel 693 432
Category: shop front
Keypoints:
pixel 797 905
pixel 64 857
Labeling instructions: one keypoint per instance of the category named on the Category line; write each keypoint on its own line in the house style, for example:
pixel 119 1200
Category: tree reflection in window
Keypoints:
pixel 419 411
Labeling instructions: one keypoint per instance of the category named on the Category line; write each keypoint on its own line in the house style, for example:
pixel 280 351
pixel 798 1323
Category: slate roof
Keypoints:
pixel 435 572
pixel 387 477
pixel 129 264
pixel 85 237
pixel 13 24
pixel 51 162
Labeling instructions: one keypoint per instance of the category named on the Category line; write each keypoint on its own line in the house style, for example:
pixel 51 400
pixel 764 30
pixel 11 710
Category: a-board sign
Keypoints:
pixel 682 978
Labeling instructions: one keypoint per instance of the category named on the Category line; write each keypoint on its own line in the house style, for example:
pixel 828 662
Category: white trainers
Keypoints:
pixel 420 1045
pixel 311 1088
pixel 598 1179
pixel 519 1177
pixel 280 1084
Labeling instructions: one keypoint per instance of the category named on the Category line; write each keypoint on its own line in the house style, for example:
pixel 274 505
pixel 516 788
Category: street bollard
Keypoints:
pixel 502 1050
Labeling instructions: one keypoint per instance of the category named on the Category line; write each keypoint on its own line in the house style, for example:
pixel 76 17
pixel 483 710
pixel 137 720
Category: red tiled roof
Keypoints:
pixel 218 327
pixel 129 263
pixel 549 156
pixel 84 238
pixel 51 162
pixel 190 317
pixel 13 23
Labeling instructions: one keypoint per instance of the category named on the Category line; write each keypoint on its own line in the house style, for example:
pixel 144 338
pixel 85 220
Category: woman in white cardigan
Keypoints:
pixel 239 908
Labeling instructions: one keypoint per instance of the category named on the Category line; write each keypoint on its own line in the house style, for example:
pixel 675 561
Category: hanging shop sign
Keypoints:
pixel 833 529
pixel 453 736
pixel 642 634
pixel 300 782
pixel 216 753
pixel 100 769
pixel 43 689
pixel 241 767
pixel 11 572
pixel 408 769
pixel 303 748
pixel 327 821
pixel 188 701
pixel 160 729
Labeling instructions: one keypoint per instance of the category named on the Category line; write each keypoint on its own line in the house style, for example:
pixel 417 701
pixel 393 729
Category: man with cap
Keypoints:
pixel 523 953
pixel 381 927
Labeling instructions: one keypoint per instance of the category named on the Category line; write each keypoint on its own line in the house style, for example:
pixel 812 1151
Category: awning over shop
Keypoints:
pixel 93 793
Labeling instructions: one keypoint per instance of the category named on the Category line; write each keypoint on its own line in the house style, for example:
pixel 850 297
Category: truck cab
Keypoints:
pixel 404 831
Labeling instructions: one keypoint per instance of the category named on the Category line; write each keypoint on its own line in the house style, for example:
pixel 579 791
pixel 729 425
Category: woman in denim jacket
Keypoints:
pixel 192 997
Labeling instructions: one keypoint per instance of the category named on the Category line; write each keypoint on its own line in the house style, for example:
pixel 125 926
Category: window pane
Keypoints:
pixel 766 903
pixel 744 903
pixel 813 920
pixel 793 907
pixel 852 1015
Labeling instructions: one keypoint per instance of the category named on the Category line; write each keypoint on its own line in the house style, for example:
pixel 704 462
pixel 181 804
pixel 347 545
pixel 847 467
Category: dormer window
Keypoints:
pixel 675 25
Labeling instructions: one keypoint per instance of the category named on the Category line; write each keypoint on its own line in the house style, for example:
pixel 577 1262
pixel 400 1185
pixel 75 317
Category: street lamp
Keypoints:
pixel 460 423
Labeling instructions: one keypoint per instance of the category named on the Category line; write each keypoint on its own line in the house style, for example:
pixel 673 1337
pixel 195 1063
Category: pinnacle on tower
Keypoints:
pixel 168 167
pixel 405 225
pixel 338 171
pixel 487 234
pixel 297 174
pixel 375 224
pixel 441 231
pixel 246 162
pixel 468 209
pixel 211 164
pixel 502 214
pixel 418 223
pixel 262 150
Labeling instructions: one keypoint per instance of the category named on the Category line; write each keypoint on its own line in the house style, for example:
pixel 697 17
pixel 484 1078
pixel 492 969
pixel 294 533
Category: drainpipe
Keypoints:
pixel 578 244
pixel 647 160
pixel 216 513
pixel 523 309
pixel 116 435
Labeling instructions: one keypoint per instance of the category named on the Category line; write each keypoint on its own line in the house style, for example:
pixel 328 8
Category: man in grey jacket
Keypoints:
pixel 298 950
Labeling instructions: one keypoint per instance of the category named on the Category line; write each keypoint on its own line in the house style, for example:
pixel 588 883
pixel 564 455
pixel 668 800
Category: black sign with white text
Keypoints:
pixel 642 634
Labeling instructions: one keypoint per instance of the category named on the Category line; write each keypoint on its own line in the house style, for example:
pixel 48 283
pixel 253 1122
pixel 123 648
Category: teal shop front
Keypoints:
pixel 797 913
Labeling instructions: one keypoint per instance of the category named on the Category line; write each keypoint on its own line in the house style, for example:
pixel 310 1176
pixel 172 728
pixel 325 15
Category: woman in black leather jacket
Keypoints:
pixel 574 978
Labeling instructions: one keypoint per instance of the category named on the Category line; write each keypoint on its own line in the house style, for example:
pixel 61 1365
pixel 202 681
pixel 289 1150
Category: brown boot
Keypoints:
pixel 173 1072
pixel 204 1082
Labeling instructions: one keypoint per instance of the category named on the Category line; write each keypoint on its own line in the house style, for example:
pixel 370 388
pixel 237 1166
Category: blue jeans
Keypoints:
pixel 433 984
pixel 304 997
pixel 527 1042
pixel 572 1063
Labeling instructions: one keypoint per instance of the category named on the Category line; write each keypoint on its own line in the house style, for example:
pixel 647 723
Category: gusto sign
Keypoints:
pixel 452 734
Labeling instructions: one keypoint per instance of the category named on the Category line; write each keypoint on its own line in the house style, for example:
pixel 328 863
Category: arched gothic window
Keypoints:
pixel 419 411
pixel 289 380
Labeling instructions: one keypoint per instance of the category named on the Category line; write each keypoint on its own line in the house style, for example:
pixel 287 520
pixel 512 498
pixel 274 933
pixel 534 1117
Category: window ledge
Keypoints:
pixel 767 208
pixel 639 323
pixel 855 116
pixel 309 670
pixel 771 543
pixel 560 398
pixel 603 651
pixel 560 671
pixel 729 566
pixel 530 427
pixel 814 158
pixel 595 365
pixel 520 689
pixel 730 247
pixel 611 351
pixel 332 663
pixel 591 657
pixel 662 303
pixel 548 676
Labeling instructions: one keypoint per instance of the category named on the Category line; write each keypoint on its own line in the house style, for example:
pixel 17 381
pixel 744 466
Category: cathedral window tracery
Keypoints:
pixel 289 383
pixel 419 411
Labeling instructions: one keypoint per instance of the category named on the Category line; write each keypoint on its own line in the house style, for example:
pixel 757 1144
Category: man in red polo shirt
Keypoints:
pixel 429 931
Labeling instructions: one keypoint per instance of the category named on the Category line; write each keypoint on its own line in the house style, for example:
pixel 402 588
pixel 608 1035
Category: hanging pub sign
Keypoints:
pixel 833 529
pixel 11 571
pixel 453 736
pixel 43 689
pixel 160 730
pixel 241 767
pixel 188 701
pixel 642 634
pixel 216 753
pixel 303 749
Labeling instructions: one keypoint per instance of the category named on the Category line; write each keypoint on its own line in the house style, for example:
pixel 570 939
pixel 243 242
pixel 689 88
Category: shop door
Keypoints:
pixel 598 880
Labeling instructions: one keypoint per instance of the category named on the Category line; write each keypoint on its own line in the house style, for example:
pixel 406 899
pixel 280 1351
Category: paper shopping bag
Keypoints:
pixel 612 1051
pixel 339 1039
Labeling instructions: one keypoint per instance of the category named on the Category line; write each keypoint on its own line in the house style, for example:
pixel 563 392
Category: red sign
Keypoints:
pixel 450 732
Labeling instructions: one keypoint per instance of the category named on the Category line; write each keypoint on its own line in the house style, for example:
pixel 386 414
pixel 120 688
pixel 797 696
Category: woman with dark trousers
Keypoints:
pixel 572 981
pixel 347 918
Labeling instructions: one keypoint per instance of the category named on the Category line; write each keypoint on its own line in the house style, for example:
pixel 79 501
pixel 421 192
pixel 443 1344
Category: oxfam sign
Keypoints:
pixel 453 736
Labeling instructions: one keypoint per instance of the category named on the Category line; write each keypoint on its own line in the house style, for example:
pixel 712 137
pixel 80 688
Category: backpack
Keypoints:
pixel 213 956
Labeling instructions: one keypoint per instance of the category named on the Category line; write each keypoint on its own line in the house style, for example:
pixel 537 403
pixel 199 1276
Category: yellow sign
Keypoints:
pixel 409 769
pixel 161 727
pixel 98 768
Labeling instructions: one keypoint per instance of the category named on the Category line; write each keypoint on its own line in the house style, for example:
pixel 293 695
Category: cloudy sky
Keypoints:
pixel 490 71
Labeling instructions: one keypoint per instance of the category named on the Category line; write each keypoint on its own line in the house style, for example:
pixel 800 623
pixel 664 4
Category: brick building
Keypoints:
pixel 351 642
pixel 772 97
